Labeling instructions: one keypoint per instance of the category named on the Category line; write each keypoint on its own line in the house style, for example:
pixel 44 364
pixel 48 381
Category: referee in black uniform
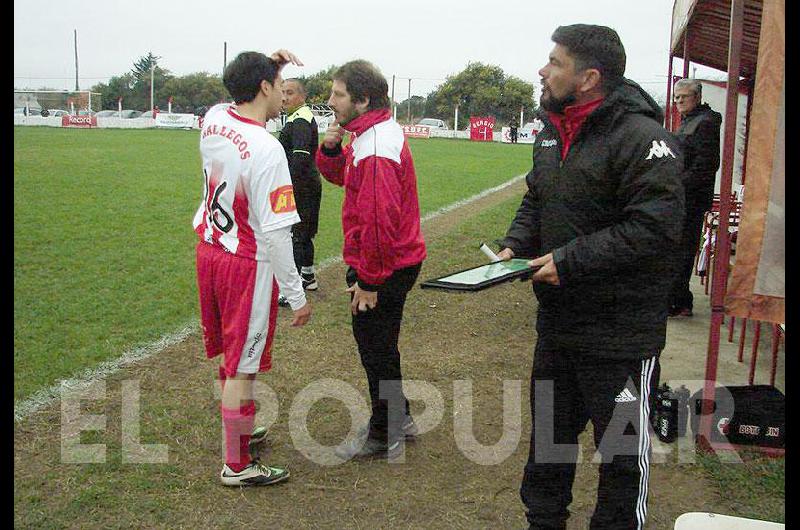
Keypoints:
pixel 300 140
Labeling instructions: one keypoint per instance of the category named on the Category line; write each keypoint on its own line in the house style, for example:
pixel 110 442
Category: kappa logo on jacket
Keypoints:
pixel 549 143
pixel 659 150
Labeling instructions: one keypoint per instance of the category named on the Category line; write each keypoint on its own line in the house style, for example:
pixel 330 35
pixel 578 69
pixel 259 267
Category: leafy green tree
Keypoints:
pixel 318 86
pixel 110 92
pixel 134 86
pixel 141 68
pixel 419 107
pixel 192 91
pixel 481 90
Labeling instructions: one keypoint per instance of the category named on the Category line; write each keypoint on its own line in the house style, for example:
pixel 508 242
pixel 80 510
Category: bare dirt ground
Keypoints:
pixel 483 338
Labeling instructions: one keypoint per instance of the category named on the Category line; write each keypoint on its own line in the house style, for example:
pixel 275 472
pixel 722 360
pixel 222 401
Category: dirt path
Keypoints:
pixel 448 341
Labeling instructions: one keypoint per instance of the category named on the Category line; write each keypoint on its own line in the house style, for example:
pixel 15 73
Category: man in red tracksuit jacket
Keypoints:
pixel 383 244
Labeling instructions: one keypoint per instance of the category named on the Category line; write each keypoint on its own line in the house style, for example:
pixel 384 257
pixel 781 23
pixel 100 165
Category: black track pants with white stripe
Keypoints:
pixel 567 391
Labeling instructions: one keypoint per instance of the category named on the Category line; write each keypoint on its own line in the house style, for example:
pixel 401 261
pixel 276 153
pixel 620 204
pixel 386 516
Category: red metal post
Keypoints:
pixel 722 254
pixel 731 326
pixel 776 341
pixel 754 353
pixel 751 88
pixel 668 106
pixel 686 53
pixel 742 335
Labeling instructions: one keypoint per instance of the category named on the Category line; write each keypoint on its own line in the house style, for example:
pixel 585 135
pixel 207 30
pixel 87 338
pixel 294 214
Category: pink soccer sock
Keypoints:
pixel 238 428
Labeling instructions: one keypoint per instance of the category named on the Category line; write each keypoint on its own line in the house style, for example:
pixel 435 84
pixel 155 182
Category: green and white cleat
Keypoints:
pixel 256 474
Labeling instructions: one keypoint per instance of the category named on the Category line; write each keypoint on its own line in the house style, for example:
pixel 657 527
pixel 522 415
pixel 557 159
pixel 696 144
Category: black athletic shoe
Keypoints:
pixel 309 281
pixel 410 430
pixel 679 312
pixel 283 301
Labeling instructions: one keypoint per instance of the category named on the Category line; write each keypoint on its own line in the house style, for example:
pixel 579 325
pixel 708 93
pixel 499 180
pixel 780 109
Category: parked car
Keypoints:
pixel 125 114
pixel 146 114
pixel 34 111
pixel 57 113
pixel 433 123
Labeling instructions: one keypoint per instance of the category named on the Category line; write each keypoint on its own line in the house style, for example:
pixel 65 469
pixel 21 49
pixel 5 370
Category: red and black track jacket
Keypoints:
pixel 380 213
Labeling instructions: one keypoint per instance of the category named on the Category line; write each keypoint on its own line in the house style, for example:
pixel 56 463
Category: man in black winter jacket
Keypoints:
pixel 602 216
pixel 698 136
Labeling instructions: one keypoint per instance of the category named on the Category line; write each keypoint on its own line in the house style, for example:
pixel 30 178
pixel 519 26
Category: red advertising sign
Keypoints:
pixel 416 131
pixel 481 128
pixel 69 120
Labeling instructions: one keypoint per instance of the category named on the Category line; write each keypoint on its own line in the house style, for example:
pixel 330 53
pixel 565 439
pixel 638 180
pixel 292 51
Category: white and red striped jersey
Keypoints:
pixel 247 186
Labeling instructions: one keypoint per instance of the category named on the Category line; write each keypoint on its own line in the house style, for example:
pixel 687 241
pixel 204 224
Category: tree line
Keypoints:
pixel 478 90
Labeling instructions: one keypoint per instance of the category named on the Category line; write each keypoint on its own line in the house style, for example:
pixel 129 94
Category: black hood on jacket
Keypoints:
pixel 630 98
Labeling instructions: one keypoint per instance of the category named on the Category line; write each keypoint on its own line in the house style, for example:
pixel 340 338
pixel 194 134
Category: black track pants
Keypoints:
pixel 377 332
pixel 568 390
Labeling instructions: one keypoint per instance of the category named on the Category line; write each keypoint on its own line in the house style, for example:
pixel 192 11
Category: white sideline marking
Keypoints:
pixel 89 376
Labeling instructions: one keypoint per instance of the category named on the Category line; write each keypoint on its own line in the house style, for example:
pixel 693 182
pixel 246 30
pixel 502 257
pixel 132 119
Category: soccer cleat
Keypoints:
pixel 258 436
pixel 283 301
pixel 257 440
pixel 255 474
pixel 309 281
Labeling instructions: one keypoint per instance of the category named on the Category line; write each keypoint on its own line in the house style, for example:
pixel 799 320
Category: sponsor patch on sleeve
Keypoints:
pixel 282 200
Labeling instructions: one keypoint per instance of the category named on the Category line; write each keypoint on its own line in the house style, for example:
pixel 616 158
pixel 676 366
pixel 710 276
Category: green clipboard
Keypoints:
pixel 483 276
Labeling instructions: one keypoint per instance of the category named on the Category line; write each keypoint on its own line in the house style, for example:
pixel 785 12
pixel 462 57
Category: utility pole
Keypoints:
pixel 224 56
pixel 152 71
pixel 409 101
pixel 75 33
pixel 393 110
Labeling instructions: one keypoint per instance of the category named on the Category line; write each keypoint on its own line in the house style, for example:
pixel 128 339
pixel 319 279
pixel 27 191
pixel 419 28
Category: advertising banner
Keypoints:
pixel 175 121
pixel 481 129
pixel 526 134
pixel 78 121
pixel 416 131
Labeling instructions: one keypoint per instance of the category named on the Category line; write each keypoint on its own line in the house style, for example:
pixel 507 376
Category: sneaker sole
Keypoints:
pixel 312 287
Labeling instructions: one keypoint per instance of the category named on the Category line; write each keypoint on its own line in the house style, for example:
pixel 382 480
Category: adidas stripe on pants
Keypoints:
pixel 567 391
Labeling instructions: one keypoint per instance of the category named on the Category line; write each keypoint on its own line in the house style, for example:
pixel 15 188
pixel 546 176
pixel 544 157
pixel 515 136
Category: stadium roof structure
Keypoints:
pixel 700 31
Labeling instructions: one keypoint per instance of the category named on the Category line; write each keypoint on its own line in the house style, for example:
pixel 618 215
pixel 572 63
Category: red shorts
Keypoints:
pixel 238 309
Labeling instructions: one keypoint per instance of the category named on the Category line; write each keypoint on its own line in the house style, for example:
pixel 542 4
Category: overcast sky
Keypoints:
pixel 425 40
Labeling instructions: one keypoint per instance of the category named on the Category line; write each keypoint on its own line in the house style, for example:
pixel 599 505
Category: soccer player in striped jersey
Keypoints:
pixel 245 250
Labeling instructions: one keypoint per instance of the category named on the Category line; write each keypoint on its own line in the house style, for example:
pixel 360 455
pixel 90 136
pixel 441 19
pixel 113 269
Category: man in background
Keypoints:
pixel 300 139
pixel 698 136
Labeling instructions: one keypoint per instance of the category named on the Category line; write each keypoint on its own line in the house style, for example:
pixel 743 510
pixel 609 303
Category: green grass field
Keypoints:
pixel 103 244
